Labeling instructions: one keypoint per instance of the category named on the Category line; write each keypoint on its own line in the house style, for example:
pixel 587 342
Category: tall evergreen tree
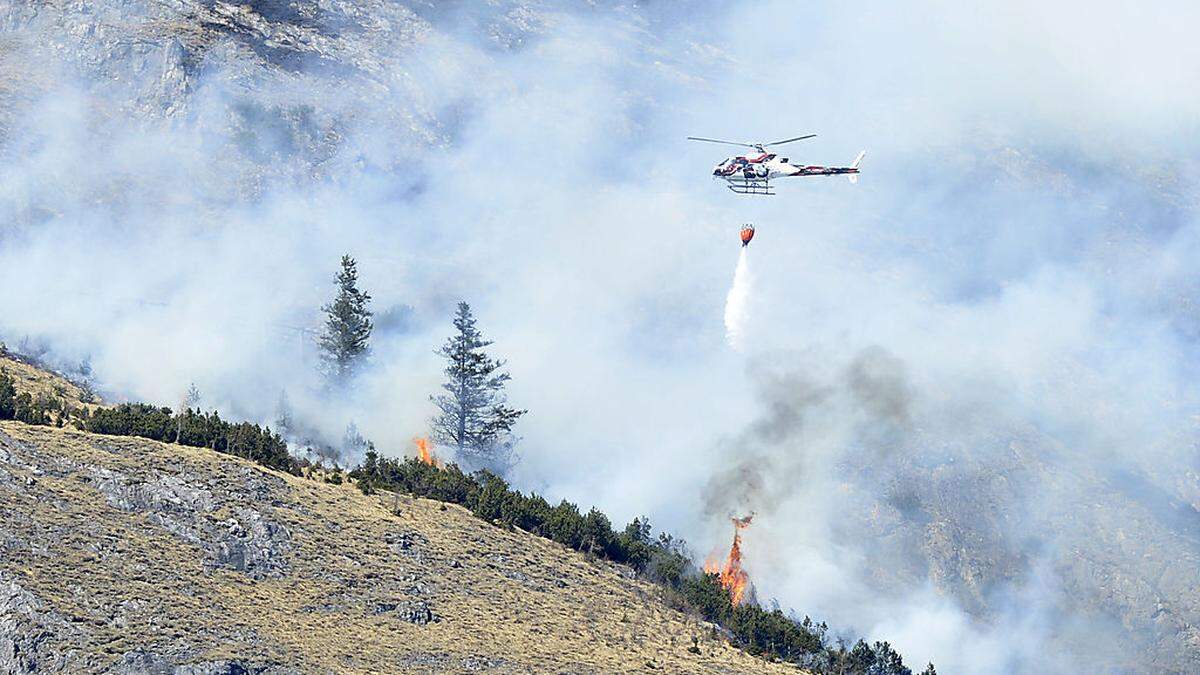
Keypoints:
pixel 353 442
pixel 189 400
pixel 473 416
pixel 345 343
pixel 285 422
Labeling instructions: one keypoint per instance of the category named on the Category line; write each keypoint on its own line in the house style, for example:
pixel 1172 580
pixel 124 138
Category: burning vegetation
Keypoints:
pixel 730 573
pixel 425 452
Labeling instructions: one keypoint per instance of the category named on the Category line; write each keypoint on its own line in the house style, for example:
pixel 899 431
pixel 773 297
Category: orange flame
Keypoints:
pixel 731 575
pixel 425 452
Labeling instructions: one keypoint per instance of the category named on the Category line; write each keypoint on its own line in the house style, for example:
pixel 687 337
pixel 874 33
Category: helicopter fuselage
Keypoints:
pixel 766 166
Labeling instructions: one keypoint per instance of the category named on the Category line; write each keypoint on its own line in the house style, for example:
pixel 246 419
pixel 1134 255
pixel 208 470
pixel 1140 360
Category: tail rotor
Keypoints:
pixel 857 161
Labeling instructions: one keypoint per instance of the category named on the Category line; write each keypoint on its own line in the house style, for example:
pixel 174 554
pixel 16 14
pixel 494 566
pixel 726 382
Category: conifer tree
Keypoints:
pixel 189 400
pixel 473 413
pixel 345 342
pixel 8 396
pixel 284 417
pixel 353 442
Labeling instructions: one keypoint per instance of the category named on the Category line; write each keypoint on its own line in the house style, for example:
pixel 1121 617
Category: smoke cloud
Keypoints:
pixel 966 418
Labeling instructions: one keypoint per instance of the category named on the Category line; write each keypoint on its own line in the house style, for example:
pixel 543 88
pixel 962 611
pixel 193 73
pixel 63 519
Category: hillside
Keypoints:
pixel 130 555
pixel 126 555
pixel 39 383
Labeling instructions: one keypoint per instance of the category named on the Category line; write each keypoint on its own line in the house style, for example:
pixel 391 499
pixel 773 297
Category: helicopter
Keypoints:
pixel 751 174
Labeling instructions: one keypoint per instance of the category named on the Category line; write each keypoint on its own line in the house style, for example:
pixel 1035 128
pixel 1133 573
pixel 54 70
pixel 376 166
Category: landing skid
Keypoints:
pixel 751 187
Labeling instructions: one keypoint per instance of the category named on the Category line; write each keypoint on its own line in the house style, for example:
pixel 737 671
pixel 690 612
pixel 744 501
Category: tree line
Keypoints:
pixel 196 429
pixel 190 427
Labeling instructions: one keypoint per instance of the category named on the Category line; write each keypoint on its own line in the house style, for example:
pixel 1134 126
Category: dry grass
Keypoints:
pixel 39 383
pixel 507 600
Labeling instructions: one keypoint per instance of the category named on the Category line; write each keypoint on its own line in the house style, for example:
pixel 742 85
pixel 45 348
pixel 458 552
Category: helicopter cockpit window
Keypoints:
pixel 784 160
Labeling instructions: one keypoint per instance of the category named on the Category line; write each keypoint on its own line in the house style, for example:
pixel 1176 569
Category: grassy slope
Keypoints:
pixel 37 382
pixel 516 601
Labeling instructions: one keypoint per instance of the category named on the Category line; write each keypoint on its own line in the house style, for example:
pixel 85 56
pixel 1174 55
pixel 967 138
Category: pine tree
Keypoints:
pixel 345 343
pixel 190 399
pixel 474 417
pixel 284 418
pixel 8 396
pixel 353 442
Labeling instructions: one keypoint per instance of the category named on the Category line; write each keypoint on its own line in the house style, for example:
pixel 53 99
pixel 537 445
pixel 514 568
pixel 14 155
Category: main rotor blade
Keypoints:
pixel 789 140
pixel 713 140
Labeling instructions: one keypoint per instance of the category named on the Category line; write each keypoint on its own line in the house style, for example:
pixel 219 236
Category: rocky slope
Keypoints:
pixel 1106 564
pixel 290 92
pixel 124 555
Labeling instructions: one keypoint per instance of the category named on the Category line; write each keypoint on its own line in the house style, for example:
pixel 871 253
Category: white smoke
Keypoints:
pixel 737 301
pixel 1021 250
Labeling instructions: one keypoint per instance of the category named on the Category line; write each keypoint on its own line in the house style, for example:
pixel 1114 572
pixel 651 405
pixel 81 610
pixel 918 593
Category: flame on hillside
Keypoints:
pixel 730 573
pixel 425 452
